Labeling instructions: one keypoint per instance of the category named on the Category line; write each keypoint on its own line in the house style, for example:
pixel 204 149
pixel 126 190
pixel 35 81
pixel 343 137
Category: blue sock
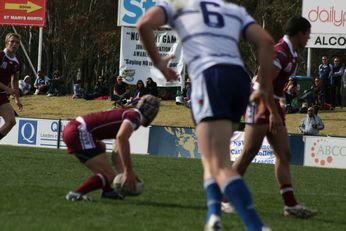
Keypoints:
pixel 214 197
pixel 240 198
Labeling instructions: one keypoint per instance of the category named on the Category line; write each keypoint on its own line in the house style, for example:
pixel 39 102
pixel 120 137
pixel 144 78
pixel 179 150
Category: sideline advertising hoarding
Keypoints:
pixel 265 155
pixel 327 152
pixel 34 132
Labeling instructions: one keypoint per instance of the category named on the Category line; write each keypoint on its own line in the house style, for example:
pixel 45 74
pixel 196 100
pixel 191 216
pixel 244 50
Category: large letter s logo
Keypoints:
pixel 135 11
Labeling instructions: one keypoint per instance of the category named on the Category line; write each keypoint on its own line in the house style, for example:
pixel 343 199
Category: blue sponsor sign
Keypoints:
pixel 27 132
pixel 131 10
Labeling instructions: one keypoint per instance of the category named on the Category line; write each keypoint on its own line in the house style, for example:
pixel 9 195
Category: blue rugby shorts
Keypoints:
pixel 220 92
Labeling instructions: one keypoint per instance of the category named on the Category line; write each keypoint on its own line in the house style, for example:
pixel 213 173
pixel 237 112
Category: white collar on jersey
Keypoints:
pixel 288 41
pixel 9 57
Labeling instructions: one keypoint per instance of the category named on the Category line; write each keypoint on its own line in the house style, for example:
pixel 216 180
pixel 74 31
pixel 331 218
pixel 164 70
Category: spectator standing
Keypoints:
pixel 221 88
pixel 151 86
pixel 338 71
pixel 343 90
pixel 41 83
pixel 9 71
pixel 56 85
pixel 325 71
pixel 100 89
pixel 77 90
pixel 121 91
pixel 25 85
pixel 311 124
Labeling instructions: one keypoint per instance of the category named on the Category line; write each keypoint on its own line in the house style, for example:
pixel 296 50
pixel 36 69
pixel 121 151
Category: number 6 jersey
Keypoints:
pixel 209 31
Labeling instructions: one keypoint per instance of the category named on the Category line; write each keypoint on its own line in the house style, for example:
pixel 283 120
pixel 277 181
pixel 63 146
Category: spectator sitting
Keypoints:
pixel 140 91
pixel 121 92
pixel 291 90
pixel 77 90
pixel 311 124
pixel 187 94
pixel 100 90
pixel 151 87
pixel 41 83
pixel 312 96
pixel 25 86
pixel 56 85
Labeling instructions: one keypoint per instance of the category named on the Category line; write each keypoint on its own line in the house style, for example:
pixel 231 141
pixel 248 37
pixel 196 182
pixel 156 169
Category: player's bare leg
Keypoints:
pixel 253 138
pixel 280 146
pixel 214 142
pixel 7 113
pixel 100 164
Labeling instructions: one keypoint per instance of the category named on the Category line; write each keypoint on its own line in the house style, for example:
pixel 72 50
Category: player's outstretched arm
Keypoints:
pixel 123 145
pixel 146 26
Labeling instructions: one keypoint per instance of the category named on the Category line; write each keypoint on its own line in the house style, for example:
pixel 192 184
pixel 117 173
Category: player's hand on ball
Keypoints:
pixel 122 185
pixel 130 180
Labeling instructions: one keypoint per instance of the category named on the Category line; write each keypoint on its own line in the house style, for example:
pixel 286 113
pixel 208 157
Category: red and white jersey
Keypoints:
pixel 86 132
pixel 8 67
pixel 106 124
pixel 286 60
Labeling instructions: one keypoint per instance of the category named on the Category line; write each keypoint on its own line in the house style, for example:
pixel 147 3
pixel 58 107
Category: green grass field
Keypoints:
pixel 34 182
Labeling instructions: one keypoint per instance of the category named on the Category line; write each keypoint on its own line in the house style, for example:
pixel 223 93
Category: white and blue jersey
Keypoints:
pixel 209 31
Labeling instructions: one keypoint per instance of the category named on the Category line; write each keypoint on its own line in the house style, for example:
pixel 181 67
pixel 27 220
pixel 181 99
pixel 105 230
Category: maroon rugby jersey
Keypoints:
pixel 286 60
pixel 8 67
pixel 106 124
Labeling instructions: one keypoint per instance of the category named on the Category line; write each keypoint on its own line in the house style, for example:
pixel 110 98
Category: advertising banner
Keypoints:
pixel 23 12
pixel 328 152
pixel 44 133
pixel 265 154
pixel 135 64
pixel 328 21
pixel 33 132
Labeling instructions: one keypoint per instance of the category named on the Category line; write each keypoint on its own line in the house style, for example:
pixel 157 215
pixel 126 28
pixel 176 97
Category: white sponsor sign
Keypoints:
pixel 265 154
pixel 44 133
pixel 328 152
pixel 328 21
pixel 135 64
pixel 129 11
pixel 336 41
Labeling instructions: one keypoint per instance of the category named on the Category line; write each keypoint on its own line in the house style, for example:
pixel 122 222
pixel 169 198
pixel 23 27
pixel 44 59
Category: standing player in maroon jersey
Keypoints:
pixel 262 120
pixel 83 137
pixel 9 72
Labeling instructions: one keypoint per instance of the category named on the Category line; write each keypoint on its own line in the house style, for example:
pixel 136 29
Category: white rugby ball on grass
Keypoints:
pixel 118 185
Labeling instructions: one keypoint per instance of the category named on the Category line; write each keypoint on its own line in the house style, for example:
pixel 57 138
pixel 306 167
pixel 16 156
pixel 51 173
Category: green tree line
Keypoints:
pixel 82 38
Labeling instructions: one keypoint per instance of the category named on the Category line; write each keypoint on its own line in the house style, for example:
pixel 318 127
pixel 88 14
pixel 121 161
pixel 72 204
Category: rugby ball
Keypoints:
pixel 118 185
